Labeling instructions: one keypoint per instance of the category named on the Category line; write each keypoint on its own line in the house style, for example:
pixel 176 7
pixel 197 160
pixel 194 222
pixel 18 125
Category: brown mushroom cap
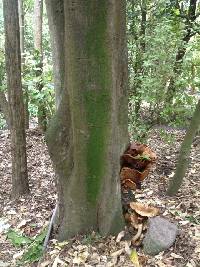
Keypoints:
pixel 144 210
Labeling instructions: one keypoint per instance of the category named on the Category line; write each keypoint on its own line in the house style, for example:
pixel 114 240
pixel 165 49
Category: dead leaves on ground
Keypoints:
pixel 184 208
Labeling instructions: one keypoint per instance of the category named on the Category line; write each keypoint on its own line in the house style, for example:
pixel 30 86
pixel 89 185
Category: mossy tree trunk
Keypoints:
pixel 183 159
pixel 38 14
pixel 15 98
pixel 89 131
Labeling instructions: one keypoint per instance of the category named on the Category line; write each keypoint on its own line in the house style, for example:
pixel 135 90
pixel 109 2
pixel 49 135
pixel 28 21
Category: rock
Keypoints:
pixel 160 235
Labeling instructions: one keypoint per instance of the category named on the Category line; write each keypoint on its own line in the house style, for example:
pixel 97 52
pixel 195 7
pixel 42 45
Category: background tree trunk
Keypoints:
pixel 189 33
pixel 4 108
pixel 38 13
pixel 183 159
pixel 21 27
pixel 15 98
pixel 141 44
pixel 89 132
pixel 57 35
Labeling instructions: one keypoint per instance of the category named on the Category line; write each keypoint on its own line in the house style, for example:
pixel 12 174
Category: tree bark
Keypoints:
pixel 38 13
pixel 183 159
pixel 15 98
pixel 89 131
pixel 21 27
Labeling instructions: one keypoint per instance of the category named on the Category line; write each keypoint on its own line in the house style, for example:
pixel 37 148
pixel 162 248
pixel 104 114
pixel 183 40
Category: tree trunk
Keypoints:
pixel 191 17
pixel 57 35
pixel 183 159
pixel 21 27
pixel 140 53
pixel 4 108
pixel 89 131
pixel 38 12
pixel 177 69
pixel 15 98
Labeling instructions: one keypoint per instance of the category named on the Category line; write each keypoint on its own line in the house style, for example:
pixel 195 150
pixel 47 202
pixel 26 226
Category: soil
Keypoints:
pixel 30 214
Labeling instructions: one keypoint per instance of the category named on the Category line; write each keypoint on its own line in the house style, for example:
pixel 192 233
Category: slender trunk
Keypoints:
pixel 4 108
pixel 140 58
pixel 56 25
pixel 193 75
pixel 183 159
pixel 15 98
pixel 89 132
pixel 21 26
pixel 177 69
pixel 38 13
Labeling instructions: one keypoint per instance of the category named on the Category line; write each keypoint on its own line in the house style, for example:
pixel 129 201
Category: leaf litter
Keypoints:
pixel 30 214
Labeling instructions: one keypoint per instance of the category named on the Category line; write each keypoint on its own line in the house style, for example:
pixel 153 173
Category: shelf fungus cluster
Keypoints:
pixel 136 163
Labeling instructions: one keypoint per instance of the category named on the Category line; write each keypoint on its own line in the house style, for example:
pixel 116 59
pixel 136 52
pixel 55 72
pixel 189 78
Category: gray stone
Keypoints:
pixel 160 235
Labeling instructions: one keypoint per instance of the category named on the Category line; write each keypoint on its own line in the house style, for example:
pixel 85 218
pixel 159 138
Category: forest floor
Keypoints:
pixel 30 214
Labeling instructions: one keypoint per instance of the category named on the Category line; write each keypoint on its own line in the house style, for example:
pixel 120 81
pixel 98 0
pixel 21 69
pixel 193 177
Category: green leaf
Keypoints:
pixel 134 258
pixel 34 252
pixel 193 219
pixel 18 239
pixel 142 157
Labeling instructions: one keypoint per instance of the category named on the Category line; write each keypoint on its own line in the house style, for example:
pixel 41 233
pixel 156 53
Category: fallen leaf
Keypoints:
pixel 18 254
pixel 57 261
pixel 23 223
pixel 117 253
pixel 45 264
pixel 161 264
pixel 134 258
pixel 176 256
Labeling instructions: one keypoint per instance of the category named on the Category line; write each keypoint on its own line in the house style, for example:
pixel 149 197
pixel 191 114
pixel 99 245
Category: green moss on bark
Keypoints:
pixel 97 96
pixel 97 105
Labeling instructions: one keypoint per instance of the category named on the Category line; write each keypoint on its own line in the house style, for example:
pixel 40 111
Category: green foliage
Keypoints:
pixel 18 239
pixel 29 79
pixel 35 250
pixel 138 129
pixel 193 219
pixel 167 137
pixel 33 245
pixel 142 157
pixel 152 56
pixel 46 94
